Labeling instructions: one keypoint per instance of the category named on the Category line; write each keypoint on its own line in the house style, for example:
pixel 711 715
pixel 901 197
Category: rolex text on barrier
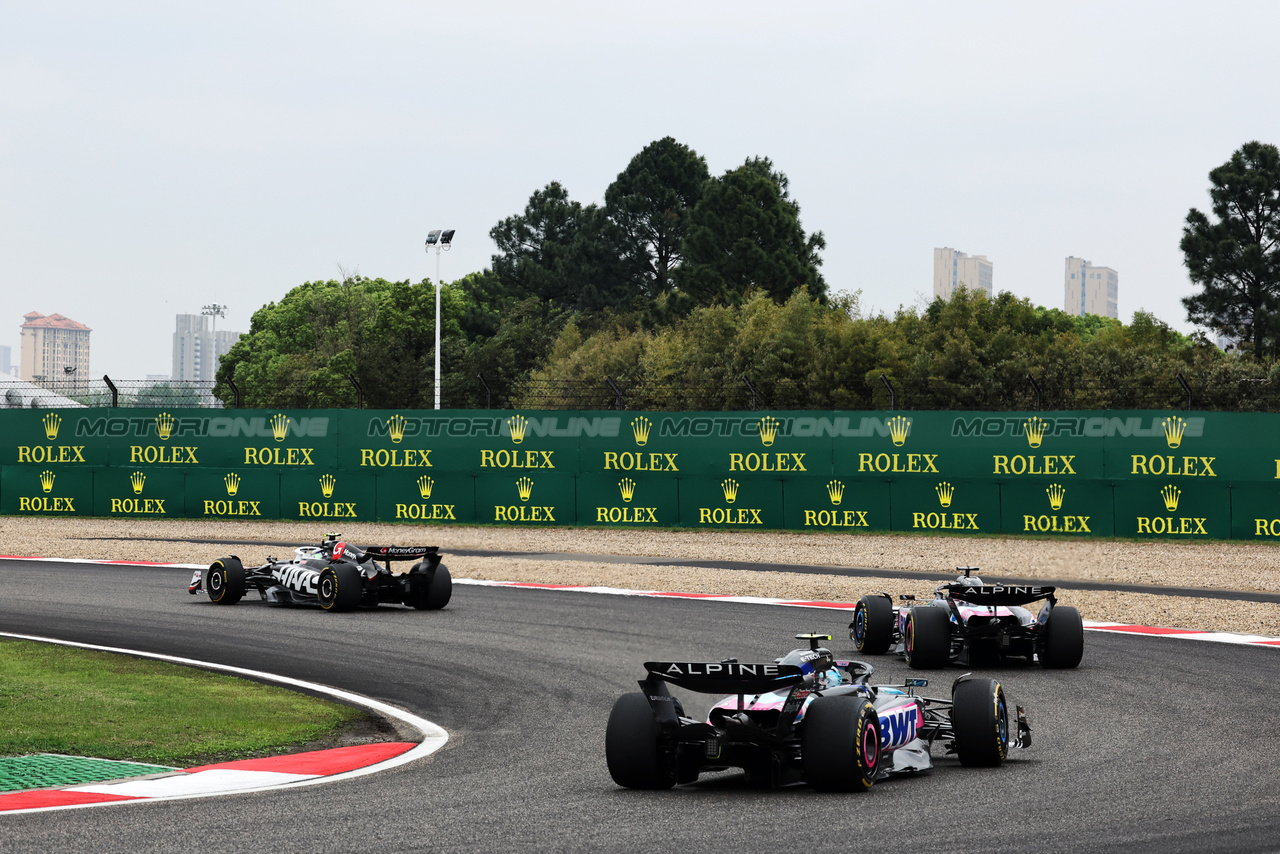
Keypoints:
pixel 1141 474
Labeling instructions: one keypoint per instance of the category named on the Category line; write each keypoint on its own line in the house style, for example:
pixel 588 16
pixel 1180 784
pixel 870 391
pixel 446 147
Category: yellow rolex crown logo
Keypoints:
pixel 769 430
pixel 280 426
pixel 517 424
pixel 51 424
pixel 730 488
pixel 233 483
pixel 46 480
pixel 327 483
pixel 524 486
pixel 628 488
pixel 1173 430
pixel 1035 431
pixel 395 426
pixel 835 491
pixel 425 485
pixel 138 480
pixel 1171 494
pixel 1056 493
pixel 945 491
pixel 164 425
pixel 640 427
pixel 899 427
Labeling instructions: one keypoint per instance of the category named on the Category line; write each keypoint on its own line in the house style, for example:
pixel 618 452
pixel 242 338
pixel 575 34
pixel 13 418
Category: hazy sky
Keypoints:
pixel 158 156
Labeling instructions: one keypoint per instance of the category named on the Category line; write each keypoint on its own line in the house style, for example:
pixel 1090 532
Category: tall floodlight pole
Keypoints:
pixel 441 239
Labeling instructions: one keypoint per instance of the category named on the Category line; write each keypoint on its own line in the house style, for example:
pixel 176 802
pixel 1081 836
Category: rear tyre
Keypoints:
pixel 872 628
pixel 339 587
pixel 928 641
pixel 1063 638
pixel 980 720
pixel 436 593
pixel 632 749
pixel 224 582
pixel 841 744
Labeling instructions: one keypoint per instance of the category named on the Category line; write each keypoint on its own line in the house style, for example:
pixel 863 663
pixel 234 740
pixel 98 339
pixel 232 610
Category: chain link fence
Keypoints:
pixel 883 393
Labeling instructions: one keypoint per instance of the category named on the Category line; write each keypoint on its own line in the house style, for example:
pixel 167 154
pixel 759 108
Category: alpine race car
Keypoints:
pixel 335 575
pixel 805 717
pixel 972 623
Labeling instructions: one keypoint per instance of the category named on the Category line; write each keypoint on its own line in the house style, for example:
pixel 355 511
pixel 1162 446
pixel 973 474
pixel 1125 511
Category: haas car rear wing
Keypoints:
pixel 401 552
pixel 726 677
pixel 999 594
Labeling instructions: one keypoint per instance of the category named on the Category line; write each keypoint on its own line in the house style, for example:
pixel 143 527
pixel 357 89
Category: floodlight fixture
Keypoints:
pixel 446 238
pixel 433 237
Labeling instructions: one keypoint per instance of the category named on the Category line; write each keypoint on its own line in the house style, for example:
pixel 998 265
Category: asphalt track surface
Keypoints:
pixel 1151 745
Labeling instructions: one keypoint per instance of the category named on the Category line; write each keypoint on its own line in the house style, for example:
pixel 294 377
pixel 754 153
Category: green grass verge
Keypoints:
pixel 56 699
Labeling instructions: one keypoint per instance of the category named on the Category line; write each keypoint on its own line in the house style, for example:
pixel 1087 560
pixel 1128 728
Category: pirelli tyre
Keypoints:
pixel 339 587
pixel 872 627
pixel 840 746
pixel 980 721
pixel 1063 638
pixel 224 582
pixel 927 644
pixel 434 594
pixel 632 748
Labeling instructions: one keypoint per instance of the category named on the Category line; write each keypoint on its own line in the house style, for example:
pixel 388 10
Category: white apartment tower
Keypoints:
pixel 1090 290
pixel 197 348
pixel 55 349
pixel 952 269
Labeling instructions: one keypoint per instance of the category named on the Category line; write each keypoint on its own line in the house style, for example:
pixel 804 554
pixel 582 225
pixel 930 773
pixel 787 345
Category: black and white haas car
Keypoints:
pixel 335 575
pixel 972 623
pixel 803 718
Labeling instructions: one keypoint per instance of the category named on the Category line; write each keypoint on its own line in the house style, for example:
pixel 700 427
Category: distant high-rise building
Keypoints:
pixel 6 367
pixel 54 348
pixel 952 269
pixel 197 348
pixel 1090 289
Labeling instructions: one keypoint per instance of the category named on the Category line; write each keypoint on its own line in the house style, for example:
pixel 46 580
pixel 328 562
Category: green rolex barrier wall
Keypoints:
pixel 1133 474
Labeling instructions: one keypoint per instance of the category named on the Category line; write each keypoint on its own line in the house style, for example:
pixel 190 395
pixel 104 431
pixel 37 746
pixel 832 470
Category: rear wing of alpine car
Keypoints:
pixel 999 594
pixel 726 677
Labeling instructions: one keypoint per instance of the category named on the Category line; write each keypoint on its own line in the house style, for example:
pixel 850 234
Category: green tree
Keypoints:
pixel 651 201
pixel 562 252
pixel 1235 257
pixel 745 233
pixel 304 350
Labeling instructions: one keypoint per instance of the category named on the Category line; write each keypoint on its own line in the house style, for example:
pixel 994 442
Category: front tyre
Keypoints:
pixel 872 628
pixel 632 748
pixel 980 720
pixel 224 582
pixel 841 744
pixel 339 587
pixel 1063 638
pixel 928 641
pixel 436 593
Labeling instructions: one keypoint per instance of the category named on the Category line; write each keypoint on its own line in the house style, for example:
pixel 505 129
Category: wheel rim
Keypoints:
pixel 1002 720
pixel 859 625
pixel 215 581
pixel 910 643
pixel 326 588
pixel 870 747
